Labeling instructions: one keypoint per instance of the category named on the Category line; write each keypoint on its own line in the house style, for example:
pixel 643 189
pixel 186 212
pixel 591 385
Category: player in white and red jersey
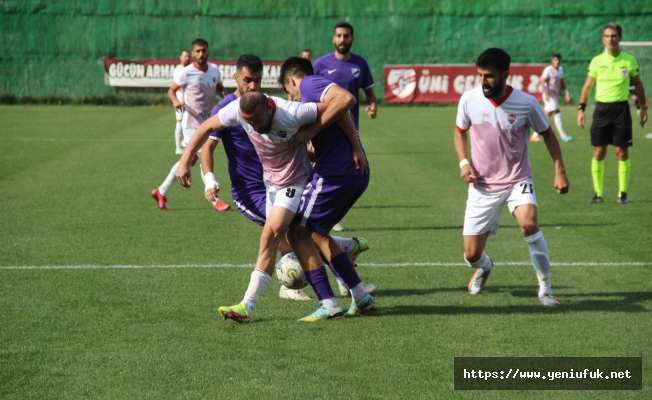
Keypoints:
pixel 184 58
pixel 270 122
pixel 499 119
pixel 200 81
pixel 552 85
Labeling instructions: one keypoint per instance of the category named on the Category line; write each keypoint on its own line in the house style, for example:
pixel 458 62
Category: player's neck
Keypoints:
pixel 614 52
pixel 343 57
pixel 201 68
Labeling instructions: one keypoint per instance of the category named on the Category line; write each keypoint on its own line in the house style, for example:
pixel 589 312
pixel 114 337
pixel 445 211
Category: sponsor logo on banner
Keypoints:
pixel 160 72
pixel 432 83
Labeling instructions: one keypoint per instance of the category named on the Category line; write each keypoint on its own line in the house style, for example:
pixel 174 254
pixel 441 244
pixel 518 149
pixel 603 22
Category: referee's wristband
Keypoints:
pixel 582 106
pixel 644 107
pixel 209 181
pixel 463 163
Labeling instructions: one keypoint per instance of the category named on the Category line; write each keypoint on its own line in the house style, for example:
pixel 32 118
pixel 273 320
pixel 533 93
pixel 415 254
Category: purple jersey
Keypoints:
pixel 332 148
pixel 352 74
pixel 245 168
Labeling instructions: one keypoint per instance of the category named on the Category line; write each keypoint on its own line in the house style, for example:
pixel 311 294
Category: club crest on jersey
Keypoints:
pixel 355 72
pixel 282 134
pixel 511 119
pixel 624 73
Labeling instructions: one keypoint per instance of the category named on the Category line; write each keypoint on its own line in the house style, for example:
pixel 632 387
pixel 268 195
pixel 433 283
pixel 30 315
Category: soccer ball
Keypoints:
pixel 289 272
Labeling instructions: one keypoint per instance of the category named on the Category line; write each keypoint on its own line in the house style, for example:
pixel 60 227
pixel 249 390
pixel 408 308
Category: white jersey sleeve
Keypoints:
pixel 538 119
pixel 546 72
pixel 462 121
pixel 302 113
pixel 180 77
pixel 230 114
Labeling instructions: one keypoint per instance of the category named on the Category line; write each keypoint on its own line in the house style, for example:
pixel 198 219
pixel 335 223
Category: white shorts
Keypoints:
pixel 178 114
pixel 187 132
pixel 287 197
pixel 484 209
pixel 552 104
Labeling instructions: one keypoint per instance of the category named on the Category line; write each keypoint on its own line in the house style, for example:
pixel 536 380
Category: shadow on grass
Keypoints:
pixel 393 206
pixel 581 302
pixel 457 227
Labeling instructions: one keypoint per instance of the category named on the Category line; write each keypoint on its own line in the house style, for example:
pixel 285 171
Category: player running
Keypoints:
pixel 341 176
pixel 201 81
pixel 270 123
pixel 499 119
pixel 552 85
pixel 246 170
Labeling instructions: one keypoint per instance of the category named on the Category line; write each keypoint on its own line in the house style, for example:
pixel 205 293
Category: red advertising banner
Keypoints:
pixel 160 72
pixel 436 83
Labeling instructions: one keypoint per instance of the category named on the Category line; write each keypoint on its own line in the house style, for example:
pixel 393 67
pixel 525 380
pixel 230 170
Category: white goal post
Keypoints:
pixel 642 51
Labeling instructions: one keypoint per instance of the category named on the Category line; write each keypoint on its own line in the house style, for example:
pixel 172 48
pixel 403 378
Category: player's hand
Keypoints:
pixel 371 110
pixel 360 160
pixel 467 174
pixel 643 117
pixel 545 96
pixel 211 193
pixel 567 98
pixel 581 118
pixel 303 135
pixel 179 106
pixel 183 175
pixel 561 183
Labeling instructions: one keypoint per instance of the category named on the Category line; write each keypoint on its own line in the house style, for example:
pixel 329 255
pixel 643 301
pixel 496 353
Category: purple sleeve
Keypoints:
pixel 312 88
pixel 367 79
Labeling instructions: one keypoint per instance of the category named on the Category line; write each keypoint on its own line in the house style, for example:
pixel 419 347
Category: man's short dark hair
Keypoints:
pixel 199 42
pixel 494 57
pixel 344 25
pixel 614 26
pixel 250 101
pixel 557 56
pixel 250 61
pixel 295 66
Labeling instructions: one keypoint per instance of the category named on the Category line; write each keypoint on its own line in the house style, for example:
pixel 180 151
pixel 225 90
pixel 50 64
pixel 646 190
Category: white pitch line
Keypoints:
pixel 373 265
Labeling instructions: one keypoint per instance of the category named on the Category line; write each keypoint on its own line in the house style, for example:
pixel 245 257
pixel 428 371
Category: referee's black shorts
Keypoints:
pixel 612 124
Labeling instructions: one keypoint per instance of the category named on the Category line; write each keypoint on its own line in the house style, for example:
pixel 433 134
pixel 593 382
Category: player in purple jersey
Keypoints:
pixel 340 177
pixel 348 70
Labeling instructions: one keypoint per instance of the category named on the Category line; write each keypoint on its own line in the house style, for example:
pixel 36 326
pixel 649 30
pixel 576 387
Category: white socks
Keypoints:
pixel 540 260
pixel 330 303
pixel 559 124
pixel 358 292
pixel 347 244
pixel 178 135
pixel 483 263
pixel 169 181
pixel 258 282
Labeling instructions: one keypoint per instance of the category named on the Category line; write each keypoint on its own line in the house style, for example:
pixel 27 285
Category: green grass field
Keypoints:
pixel 104 296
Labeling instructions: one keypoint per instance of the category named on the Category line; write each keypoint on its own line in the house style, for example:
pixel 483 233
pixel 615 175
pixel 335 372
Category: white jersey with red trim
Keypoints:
pixel 199 92
pixel 554 77
pixel 177 71
pixel 282 165
pixel 500 135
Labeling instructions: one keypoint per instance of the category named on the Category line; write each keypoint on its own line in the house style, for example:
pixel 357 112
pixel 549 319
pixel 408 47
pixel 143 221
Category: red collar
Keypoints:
pixel 509 91
pixel 197 66
pixel 271 102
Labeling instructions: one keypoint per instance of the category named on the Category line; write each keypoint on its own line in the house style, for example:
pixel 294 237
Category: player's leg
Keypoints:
pixel 281 209
pixel 522 204
pixel 601 136
pixel 560 126
pixel 178 133
pixel 481 218
pixel 622 140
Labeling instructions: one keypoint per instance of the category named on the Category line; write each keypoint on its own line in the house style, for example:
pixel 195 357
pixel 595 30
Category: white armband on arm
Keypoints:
pixel 463 163
pixel 209 181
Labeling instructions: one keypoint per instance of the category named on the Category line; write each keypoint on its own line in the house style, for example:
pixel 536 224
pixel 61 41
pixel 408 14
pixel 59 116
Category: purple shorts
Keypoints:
pixel 251 202
pixel 326 201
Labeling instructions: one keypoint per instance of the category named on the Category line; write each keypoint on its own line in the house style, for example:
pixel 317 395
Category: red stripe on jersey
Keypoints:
pixel 509 91
pixel 460 129
pixel 547 131
pixel 271 103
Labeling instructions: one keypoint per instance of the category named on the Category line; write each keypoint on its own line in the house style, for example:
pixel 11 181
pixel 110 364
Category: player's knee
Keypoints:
pixel 298 234
pixel 529 228
pixel 472 253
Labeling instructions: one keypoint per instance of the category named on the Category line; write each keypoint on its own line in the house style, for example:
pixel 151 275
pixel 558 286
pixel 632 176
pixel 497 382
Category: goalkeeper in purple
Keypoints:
pixel 340 177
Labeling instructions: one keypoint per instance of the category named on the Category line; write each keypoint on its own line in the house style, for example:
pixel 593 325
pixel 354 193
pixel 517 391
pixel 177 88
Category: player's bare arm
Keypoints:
pixel 584 97
pixel 372 103
pixel 338 102
pixel 207 165
pixel 467 174
pixel 564 88
pixel 219 89
pixel 201 134
pixel 552 144
pixel 544 89
pixel 640 92
pixel 172 95
pixel 360 159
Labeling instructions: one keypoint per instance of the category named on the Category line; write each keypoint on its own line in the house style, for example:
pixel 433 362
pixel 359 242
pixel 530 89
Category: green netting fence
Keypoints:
pixel 54 49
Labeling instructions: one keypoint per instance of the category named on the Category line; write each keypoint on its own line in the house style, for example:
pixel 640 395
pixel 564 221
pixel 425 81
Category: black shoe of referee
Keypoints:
pixel 623 198
pixel 598 199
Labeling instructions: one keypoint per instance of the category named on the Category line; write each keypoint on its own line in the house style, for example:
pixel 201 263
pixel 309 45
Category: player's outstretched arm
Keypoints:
pixel 561 180
pixel 372 103
pixel 584 97
pixel 467 174
pixel 198 138
pixel 207 165
pixel 172 95
pixel 640 93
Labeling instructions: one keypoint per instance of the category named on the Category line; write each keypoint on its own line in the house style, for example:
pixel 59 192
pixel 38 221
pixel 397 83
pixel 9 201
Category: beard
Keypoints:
pixel 346 48
pixel 490 91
